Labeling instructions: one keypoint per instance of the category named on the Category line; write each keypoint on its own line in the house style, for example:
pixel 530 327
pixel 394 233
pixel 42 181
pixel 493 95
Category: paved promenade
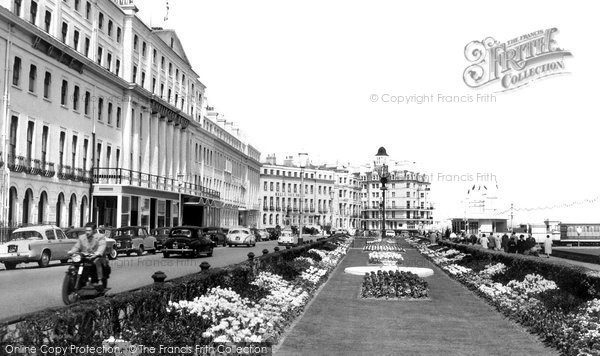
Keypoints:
pixel 452 322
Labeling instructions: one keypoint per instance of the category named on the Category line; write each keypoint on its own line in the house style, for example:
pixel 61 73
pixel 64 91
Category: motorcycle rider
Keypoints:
pixel 93 244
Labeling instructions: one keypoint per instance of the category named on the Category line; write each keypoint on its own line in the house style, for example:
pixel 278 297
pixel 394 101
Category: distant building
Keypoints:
pixel 481 212
pixel 331 195
pixel 407 203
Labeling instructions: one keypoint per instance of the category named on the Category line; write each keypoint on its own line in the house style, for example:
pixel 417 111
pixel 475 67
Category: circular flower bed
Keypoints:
pixel 394 285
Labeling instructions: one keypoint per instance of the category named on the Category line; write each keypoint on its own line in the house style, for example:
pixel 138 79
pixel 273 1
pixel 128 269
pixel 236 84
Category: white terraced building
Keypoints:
pixel 331 196
pixel 103 118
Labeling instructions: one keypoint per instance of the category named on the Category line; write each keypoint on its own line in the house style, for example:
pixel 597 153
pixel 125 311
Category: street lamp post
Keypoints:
pixel 382 169
pixel 303 161
pixel 579 231
pixel 180 184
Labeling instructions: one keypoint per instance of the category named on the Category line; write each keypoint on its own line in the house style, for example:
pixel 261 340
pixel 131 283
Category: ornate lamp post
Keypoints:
pixel 180 185
pixel 303 162
pixel 381 159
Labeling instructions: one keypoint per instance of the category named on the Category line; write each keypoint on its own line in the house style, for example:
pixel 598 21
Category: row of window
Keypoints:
pixel 377 205
pixel 75 99
pixel 393 195
pixel 63 159
pixel 283 173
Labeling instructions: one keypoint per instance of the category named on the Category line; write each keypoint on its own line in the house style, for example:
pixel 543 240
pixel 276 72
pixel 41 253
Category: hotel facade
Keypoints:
pixel 331 196
pixel 104 119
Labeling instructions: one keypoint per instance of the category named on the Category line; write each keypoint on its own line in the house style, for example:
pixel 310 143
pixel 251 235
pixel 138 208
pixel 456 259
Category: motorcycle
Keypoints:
pixel 80 279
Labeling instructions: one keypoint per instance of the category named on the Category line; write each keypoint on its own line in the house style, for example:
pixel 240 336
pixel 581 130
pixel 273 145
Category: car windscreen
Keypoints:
pixel 236 231
pixel 25 235
pixel 181 233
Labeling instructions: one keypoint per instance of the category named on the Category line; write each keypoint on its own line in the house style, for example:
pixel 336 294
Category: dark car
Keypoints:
pixel 216 234
pixel 75 233
pixel 273 233
pixel 188 240
pixel 133 239
pixel 161 234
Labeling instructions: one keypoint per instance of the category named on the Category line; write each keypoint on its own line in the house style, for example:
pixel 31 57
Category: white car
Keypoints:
pixel 390 233
pixel 240 236
pixel 41 244
pixel 287 238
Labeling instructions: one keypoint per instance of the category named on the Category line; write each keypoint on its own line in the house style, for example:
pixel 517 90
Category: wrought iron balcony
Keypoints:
pixel 78 175
pixel 1 160
pixel 65 172
pixel 278 208
pixel 47 169
pixel 16 163
pixel 121 176
pixel 87 176
pixel 33 167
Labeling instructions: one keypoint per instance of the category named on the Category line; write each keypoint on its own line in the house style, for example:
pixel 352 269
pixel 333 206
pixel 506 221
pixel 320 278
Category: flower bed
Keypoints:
pixel 383 246
pixel 385 258
pixel 559 303
pixel 141 316
pixel 402 285
pixel 227 316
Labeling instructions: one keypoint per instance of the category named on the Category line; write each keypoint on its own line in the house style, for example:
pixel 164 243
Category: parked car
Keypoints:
pixel 260 234
pixel 110 243
pixel 41 244
pixel 287 238
pixel 390 233
pixel 216 234
pixel 273 233
pixel 188 240
pixel 133 239
pixel 162 235
pixel 240 236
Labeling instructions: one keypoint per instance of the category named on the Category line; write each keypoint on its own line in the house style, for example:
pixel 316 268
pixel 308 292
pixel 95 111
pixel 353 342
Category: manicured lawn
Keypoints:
pixel 452 322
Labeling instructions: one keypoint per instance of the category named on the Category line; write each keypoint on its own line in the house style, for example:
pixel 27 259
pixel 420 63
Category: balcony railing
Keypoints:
pixel 16 163
pixel 78 175
pixel 64 172
pixel 1 160
pixel 87 176
pixel 32 166
pixel 47 169
pixel 121 176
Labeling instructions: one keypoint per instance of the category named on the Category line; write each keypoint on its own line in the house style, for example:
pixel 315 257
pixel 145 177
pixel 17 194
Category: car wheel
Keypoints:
pixel 10 266
pixel 113 254
pixel 45 259
pixel 166 254
pixel 229 245
pixel 224 244
pixel 140 250
pixel 128 253
pixel 153 251
pixel 209 254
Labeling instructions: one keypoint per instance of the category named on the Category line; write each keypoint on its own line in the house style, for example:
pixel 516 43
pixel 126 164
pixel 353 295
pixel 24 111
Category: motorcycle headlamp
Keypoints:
pixel 76 258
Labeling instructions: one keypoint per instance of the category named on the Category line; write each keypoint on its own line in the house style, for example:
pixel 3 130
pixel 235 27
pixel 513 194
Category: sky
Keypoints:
pixel 301 76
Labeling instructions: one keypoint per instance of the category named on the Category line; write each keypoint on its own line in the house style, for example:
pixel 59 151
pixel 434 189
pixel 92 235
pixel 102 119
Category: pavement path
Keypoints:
pixel 454 321
pixel 30 288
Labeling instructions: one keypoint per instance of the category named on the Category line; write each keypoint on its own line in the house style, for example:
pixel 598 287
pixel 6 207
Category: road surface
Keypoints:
pixel 30 288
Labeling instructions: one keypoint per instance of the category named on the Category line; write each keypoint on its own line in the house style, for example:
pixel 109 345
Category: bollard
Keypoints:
pixel 276 249
pixel 265 251
pixel 251 256
pixel 159 277
pixel 204 266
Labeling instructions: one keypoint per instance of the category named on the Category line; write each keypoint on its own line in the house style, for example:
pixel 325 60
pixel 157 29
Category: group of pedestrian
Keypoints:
pixel 510 244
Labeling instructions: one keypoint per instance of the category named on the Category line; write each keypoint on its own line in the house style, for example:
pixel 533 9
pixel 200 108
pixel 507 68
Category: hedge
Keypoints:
pixel 579 281
pixel 87 322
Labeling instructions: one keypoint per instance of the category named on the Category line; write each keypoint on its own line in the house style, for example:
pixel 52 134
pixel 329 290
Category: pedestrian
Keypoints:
pixel 512 245
pixel 498 243
pixel 473 239
pixel 491 242
pixel 548 246
pixel 530 244
pixel 521 244
pixel 505 242
pixel 483 241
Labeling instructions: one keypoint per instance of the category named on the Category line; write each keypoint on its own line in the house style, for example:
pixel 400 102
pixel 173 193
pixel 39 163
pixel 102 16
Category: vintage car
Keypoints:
pixel 216 234
pixel 287 238
pixel 133 239
pixel 41 244
pixel 240 236
pixel 162 235
pixel 188 241
pixel 110 243
pixel 260 234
